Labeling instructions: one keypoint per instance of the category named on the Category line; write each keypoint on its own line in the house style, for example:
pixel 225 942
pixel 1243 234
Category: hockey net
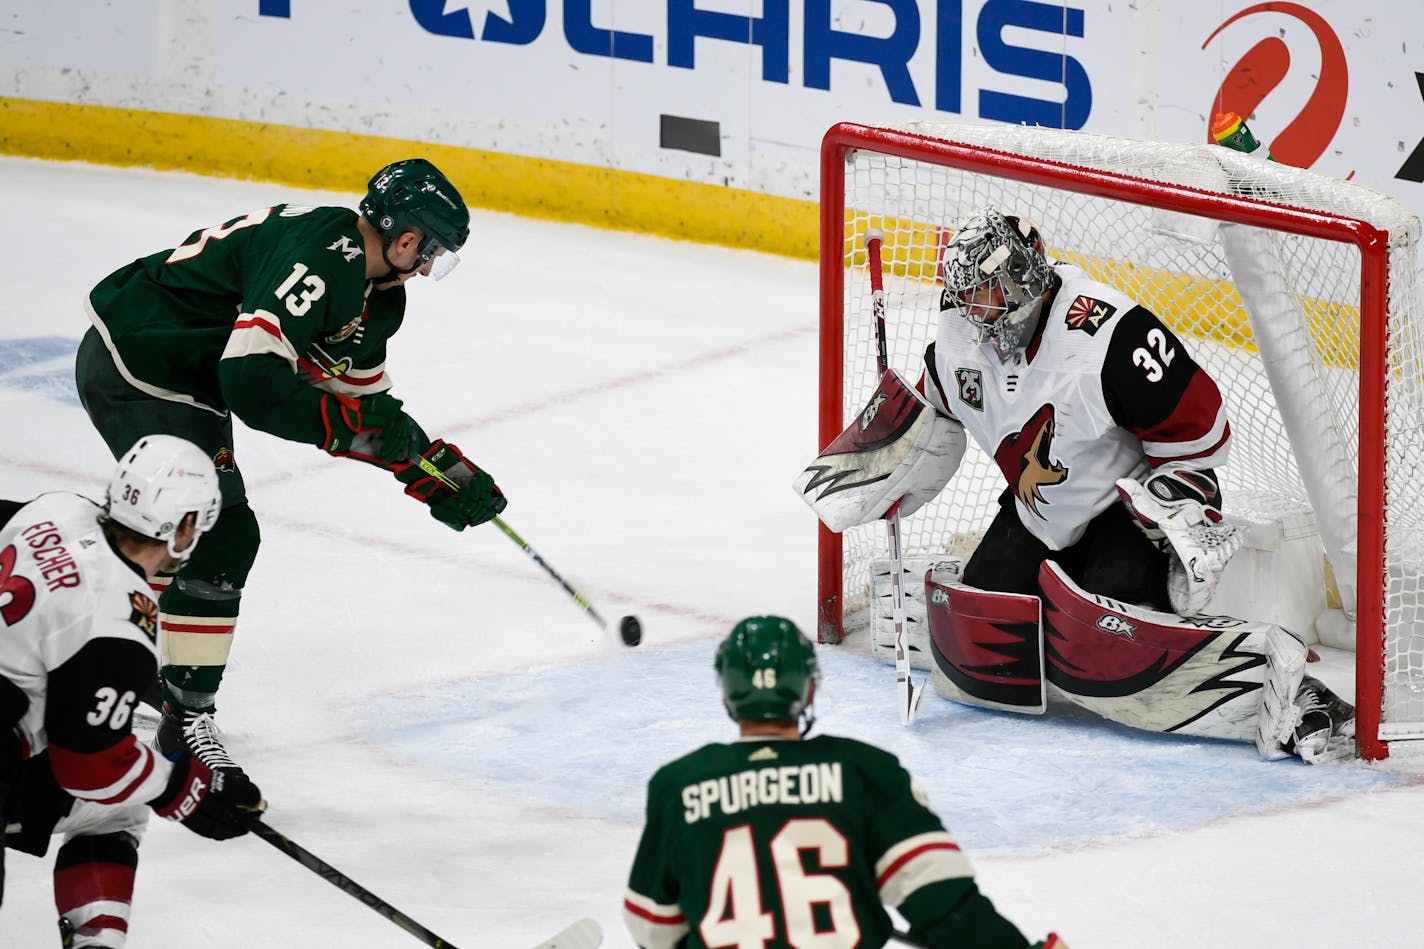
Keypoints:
pixel 1295 291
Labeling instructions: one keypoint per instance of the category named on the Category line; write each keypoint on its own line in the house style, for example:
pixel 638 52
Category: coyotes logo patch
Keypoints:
pixel 144 615
pixel 1088 314
pixel 1026 459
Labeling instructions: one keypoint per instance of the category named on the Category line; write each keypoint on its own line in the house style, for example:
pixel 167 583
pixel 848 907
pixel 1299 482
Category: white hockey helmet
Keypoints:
pixel 995 250
pixel 158 482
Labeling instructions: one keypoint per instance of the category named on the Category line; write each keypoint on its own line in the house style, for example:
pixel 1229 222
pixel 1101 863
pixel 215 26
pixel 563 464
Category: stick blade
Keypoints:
pixel 910 694
pixel 581 934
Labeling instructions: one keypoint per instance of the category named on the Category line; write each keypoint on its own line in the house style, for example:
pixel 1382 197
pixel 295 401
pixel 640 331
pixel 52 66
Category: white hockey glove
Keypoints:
pixel 1179 510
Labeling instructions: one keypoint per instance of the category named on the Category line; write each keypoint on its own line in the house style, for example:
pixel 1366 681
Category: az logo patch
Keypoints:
pixel 1088 315
pixel 144 615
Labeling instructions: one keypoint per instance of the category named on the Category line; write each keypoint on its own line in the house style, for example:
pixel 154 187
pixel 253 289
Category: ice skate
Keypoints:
pixel 196 733
pixel 1326 728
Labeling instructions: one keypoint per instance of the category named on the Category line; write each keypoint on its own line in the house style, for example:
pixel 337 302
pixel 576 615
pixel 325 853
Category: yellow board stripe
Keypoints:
pixel 562 191
pixel 911 251
pixel 343 161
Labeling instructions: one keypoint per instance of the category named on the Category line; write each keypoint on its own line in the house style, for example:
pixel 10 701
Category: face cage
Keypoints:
pixel 1002 325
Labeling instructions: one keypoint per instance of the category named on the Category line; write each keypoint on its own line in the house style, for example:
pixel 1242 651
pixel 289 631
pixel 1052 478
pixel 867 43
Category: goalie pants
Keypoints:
pixel 1113 558
pixel 200 605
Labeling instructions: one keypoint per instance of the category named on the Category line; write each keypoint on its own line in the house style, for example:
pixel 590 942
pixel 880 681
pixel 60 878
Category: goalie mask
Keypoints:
pixel 995 274
pixel 158 482
pixel 768 671
pixel 413 194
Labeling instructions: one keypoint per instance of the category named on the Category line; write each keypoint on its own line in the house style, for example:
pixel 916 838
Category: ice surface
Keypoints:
pixel 431 714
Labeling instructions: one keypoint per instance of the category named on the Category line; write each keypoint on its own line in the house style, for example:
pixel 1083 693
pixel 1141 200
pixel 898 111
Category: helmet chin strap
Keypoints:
pixel 394 270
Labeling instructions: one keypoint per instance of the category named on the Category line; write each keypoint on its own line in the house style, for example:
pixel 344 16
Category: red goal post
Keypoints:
pixel 1297 292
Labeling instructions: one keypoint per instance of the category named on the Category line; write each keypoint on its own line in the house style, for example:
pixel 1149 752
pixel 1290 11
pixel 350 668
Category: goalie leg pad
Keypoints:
pixel 987 647
pixel 898 448
pixel 1162 672
pixel 882 613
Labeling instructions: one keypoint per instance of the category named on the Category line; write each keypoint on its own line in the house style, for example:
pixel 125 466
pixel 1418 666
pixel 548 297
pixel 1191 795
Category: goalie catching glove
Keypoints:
pixel 1179 509
pixel 372 429
pixel 458 494
pixel 212 804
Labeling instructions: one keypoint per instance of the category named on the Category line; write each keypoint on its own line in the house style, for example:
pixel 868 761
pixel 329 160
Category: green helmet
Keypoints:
pixel 414 194
pixel 768 670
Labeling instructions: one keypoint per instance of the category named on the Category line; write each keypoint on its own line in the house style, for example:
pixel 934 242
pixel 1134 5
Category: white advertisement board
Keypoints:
pixel 739 92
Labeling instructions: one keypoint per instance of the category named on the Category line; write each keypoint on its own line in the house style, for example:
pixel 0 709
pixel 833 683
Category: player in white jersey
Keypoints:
pixel 78 634
pixel 1108 434
pixel 1070 386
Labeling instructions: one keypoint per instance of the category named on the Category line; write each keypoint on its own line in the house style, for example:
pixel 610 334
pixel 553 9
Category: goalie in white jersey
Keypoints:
pixel 78 634
pixel 1070 386
pixel 1109 538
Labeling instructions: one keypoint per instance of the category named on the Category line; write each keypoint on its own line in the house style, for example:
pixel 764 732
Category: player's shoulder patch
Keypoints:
pixel 143 613
pixel 1088 314
pixel 971 387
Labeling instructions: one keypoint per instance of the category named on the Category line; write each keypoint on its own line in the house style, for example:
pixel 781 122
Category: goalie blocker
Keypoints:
pixel 1215 676
pixel 899 449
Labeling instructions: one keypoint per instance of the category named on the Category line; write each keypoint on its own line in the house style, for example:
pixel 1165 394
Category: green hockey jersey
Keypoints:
pixel 782 843
pixel 255 316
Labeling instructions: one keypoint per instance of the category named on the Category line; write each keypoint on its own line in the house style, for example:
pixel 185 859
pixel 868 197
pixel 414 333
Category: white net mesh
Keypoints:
pixel 1303 355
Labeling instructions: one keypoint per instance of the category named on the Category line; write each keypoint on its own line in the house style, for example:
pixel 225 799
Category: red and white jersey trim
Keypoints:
pixel 918 861
pixel 653 925
pixel 144 779
pixel 259 332
pixel 1208 451
pixel 357 382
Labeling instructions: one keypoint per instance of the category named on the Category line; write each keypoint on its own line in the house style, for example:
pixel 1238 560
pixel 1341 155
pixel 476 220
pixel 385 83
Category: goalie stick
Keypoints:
pixel 582 934
pixel 909 691
pixel 630 630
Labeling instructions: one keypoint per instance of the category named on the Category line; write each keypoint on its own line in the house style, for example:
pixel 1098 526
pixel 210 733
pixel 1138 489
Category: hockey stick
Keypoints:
pixel 910 692
pixel 344 883
pixel 630 630
pixel 581 934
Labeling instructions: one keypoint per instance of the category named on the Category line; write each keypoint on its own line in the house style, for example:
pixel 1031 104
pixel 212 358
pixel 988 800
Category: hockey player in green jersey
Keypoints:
pixel 780 841
pixel 279 317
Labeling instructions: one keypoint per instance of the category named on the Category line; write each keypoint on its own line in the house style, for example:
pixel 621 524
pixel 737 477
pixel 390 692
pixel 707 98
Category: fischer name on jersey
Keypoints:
pixel 78 644
pixel 1102 391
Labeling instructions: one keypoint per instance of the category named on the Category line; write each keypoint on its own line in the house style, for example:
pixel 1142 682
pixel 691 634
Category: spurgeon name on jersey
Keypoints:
pixel 779 843
pixel 817 783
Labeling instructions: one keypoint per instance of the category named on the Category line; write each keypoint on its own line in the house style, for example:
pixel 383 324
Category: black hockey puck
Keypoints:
pixel 630 630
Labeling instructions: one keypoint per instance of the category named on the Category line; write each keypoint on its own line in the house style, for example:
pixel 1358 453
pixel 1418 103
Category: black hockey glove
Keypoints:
pixel 372 428
pixel 458 494
pixel 212 804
